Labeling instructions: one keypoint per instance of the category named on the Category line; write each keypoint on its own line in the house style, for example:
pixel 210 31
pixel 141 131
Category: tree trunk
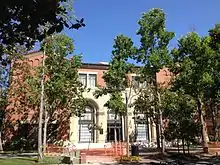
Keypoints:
pixel 216 124
pixel 1 147
pixel 178 146
pixel 183 145
pixel 45 131
pixel 203 124
pixel 115 134
pixel 40 155
pixel 188 146
pixel 158 132
pixel 158 123
pixel 127 126
pixel 214 121
pixel 161 126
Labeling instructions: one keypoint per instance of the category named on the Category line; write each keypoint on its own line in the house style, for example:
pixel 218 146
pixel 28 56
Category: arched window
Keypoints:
pixel 87 118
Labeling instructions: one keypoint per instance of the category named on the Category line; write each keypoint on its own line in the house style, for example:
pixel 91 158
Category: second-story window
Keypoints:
pixel 88 80
pixel 91 81
pixel 137 84
pixel 83 79
pixel 134 82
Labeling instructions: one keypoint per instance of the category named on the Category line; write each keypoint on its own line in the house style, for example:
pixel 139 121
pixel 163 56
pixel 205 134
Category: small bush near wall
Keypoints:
pixel 124 159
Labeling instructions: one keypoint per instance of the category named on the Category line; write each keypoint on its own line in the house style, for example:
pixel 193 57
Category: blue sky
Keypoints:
pixel 105 19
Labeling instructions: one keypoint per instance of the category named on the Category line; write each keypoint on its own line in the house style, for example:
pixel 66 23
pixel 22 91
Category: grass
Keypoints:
pixel 17 161
pixel 29 161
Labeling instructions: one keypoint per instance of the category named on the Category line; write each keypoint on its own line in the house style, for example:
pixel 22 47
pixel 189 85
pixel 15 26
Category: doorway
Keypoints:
pixel 111 132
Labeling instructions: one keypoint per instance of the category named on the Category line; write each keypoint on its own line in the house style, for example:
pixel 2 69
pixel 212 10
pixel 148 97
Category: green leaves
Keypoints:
pixel 62 89
pixel 116 103
pixel 179 109
pixel 116 77
pixel 178 105
pixel 196 68
pixel 153 54
pixel 34 20
pixel 153 51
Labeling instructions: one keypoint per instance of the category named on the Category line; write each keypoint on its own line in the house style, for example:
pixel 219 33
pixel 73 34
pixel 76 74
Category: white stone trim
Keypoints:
pixel 85 72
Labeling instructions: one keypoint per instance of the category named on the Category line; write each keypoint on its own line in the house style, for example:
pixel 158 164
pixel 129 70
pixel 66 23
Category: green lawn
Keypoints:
pixel 28 161
pixel 17 161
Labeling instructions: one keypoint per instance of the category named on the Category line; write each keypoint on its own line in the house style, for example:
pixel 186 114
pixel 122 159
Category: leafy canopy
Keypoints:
pixel 115 77
pixel 179 109
pixel 24 22
pixel 62 89
pixel 189 59
pixel 153 52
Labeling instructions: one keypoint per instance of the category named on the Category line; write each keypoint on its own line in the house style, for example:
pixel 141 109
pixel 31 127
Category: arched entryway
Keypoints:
pixel 86 121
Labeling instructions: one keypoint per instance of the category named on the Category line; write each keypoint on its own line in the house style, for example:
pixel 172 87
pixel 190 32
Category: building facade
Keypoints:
pixel 97 115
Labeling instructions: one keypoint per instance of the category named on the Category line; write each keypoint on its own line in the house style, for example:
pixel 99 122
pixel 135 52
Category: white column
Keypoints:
pixel 102 121
pixel 123 129
pixel 74 129
pixel 149 130
pixel 153 132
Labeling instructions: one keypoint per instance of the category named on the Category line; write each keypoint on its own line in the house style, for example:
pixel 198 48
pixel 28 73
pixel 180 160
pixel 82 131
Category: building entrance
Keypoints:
pixel 112 130
pixel 114 127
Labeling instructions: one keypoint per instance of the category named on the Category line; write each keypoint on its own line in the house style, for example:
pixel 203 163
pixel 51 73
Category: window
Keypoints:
pixel 85 134
pixel 111 116
pixel 136 83
pixel 141 132
pixel 87 118
pixel 114 126
pixel 88 80
pixel 91 81
pixel 141 127
pixel 83 79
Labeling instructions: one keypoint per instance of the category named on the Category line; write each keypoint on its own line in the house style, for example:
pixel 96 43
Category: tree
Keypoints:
pixel 23 22
pixel 189 59
pixel 212 93
pixel 18 104
pixel 116 79
pixel 6 75
pixel 179 109
pixel 63 91
pixel 153 54
pixel 3 100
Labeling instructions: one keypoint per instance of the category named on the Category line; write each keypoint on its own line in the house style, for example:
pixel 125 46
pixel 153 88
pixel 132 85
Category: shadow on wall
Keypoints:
pixel 18 136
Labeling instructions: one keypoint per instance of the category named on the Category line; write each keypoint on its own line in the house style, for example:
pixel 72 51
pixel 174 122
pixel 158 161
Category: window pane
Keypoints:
pixel 88 114
pixel 85 135
pixel 134 82
pixel 92 81
pixel 141 132
pixel 82 79
pixel 111 116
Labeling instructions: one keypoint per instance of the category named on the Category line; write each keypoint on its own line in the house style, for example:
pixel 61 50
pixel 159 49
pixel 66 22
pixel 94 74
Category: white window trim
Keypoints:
pixel 81 72
pixel 133 74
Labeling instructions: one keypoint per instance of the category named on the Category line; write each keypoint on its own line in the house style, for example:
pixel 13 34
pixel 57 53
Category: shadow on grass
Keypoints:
pixel 175 159
pixel 181 159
